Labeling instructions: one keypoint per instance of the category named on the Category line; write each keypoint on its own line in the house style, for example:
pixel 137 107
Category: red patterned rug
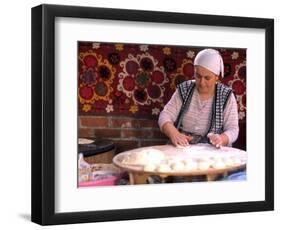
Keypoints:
pixel 138 80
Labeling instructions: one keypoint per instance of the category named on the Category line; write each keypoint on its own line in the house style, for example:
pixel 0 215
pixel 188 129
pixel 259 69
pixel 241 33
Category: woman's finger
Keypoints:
pixel 183 142
pixel 216 142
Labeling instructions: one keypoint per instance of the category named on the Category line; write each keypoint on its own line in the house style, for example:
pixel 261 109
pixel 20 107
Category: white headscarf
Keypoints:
pixel 211 60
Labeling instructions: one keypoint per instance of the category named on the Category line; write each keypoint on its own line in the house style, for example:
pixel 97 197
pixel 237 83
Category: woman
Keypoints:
pixel 202 110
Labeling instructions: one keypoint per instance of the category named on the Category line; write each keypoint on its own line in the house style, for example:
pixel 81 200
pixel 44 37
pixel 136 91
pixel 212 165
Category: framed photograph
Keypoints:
pixel 109 85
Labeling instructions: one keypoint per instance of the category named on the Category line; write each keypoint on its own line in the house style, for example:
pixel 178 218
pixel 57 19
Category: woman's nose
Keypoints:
pixel 201 81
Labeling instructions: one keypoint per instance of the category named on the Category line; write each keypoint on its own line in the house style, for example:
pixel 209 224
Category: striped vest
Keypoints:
pixel 222 94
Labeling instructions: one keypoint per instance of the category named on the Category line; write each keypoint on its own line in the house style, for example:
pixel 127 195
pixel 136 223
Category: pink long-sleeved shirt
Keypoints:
pixel 196 119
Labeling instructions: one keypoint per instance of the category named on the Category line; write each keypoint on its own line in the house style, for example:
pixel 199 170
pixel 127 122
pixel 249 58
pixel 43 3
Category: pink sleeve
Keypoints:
pixel 171 110
pixel 231 127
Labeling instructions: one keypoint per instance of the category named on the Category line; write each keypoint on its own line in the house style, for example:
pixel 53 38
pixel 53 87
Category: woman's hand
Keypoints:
pixel 175 136
pixel 179 139
pixel 218 140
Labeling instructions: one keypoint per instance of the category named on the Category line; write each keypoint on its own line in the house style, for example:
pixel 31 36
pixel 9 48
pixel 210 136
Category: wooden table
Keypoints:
pixel 137 174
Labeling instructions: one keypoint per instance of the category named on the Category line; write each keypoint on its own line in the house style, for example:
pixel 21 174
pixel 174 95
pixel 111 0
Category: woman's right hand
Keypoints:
pixel 179 139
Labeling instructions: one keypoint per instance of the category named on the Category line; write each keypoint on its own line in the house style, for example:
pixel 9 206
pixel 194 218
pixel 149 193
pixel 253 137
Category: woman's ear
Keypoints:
pixel 217 77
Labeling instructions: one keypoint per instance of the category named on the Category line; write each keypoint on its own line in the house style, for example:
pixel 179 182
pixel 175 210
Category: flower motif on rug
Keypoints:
pixel 184 72
pixel 95 79
pixel 142 79
pixel 238 85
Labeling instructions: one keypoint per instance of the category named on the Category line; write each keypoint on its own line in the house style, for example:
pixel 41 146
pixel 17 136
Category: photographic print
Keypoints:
pixel 127 93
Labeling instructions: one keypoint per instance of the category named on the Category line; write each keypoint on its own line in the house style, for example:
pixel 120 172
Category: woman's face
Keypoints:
pixel 205 80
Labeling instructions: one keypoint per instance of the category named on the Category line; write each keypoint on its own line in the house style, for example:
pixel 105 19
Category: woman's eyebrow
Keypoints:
pixel 199 75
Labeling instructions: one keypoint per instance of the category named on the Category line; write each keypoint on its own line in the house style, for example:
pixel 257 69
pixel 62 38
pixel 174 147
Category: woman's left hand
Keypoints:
pixel 215 139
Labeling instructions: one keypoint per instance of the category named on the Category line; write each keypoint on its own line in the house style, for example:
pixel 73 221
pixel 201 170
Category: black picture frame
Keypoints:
pixel 43 110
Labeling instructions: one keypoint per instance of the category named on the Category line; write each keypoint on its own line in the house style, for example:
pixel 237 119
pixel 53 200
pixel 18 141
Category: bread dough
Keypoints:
pixel 228 162
pixel 178 166
pixel 203 165
pixel 190 165
pixel 236 161
pixel 84 141
pixel 163 168
pixel 149 167
pixel 184 148
pixel 144 157
pixel 169 158
pixel 172 160
pixel 218 164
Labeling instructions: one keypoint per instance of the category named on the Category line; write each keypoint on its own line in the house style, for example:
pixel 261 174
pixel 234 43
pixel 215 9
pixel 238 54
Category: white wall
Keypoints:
pixel 15 113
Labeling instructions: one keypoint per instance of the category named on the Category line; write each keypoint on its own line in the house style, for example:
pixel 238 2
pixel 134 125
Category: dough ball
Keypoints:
pixel 216 158
pixel 153 156
pixel 190 165
pixel 203 165
pixel 187 161
pixel 236 161
pixel 228 162
pixel 144 157
pixel 172 159
pixel 149 167
pixel 163 168
pixel 141 158
pixel 177 166
pixel 218 164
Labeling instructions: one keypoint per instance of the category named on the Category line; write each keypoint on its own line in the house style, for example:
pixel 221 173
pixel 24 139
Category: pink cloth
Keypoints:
pixel 196 119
